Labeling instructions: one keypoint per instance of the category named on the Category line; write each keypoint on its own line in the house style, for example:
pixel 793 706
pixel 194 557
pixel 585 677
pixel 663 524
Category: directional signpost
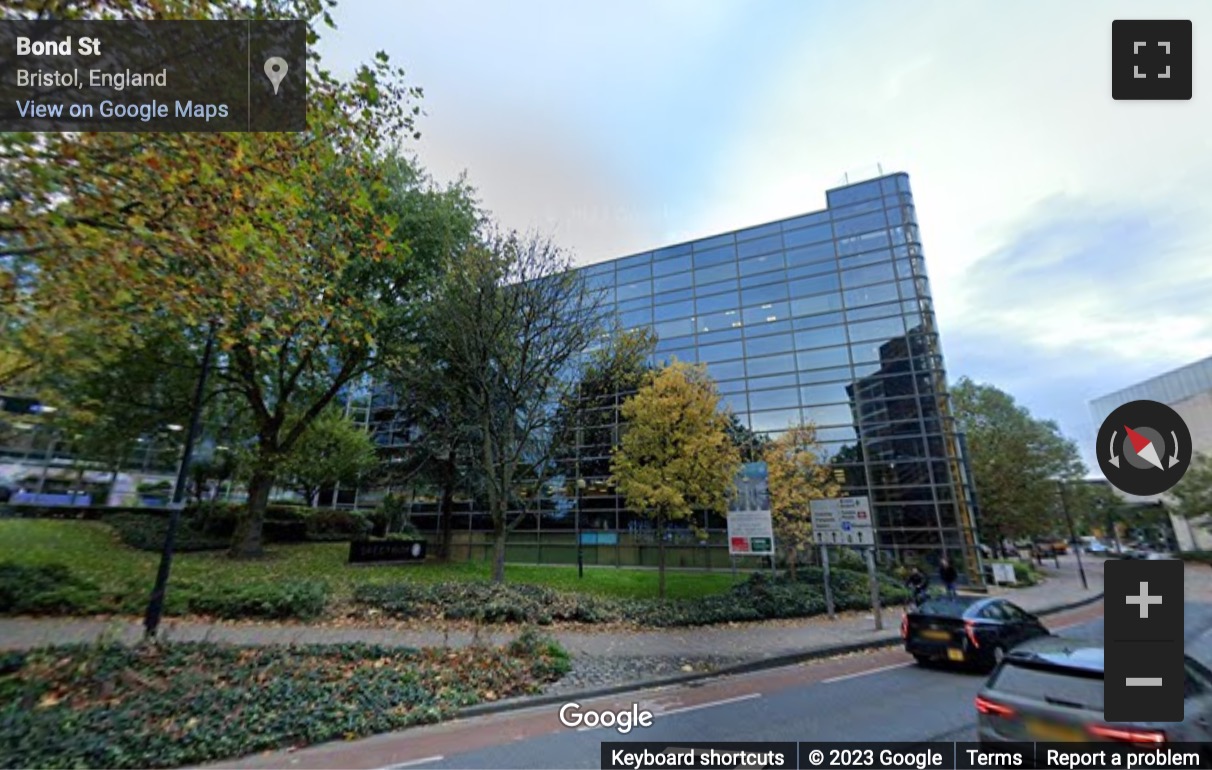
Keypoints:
pixel 846 521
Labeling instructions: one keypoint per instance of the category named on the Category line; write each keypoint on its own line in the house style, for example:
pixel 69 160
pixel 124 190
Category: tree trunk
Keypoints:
pixel 661 555
pixel 792 561
pixel 498 548
pixel 446 507
pixel 247 540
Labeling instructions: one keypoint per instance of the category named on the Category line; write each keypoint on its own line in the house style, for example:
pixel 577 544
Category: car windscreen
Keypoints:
pixel 947 608
pixel 1058 686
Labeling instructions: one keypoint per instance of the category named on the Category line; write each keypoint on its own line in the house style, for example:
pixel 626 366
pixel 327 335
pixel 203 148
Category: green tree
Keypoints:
pixel 503 334
pixel 1016 462
pixel 675 456
pixel 1192 495
pixel 796 476
pixel 333 450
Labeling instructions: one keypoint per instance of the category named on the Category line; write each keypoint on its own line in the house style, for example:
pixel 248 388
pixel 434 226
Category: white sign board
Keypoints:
pixel 842 521
pixel 750 533
pixel 1004 574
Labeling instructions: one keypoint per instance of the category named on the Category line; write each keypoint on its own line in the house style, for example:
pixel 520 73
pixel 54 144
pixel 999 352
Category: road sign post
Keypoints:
pixel 828 587
pixel 750 533
pixel 847 521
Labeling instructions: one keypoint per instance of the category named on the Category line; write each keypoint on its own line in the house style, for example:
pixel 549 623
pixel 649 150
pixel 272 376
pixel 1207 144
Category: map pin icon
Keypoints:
pixel 275 70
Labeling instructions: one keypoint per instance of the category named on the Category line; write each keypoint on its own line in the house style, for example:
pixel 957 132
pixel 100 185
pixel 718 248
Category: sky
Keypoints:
pixel 1068 236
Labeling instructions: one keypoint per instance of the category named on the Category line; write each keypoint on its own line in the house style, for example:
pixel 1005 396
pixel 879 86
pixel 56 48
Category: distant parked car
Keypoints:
pixel 1096 547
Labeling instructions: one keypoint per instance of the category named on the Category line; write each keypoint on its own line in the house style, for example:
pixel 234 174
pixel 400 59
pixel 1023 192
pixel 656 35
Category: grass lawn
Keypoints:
pixel 93 551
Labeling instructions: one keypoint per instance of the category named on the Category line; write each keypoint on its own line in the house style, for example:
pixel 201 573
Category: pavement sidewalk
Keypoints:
pixel 752 641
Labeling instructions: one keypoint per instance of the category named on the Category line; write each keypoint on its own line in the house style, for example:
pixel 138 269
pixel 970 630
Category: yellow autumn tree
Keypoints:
pixel 675 456
pixel 796 476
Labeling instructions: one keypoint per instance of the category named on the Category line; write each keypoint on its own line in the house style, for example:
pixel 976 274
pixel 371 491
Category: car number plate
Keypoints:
pixel 1048 731
pixel 938 635
pixel 954 654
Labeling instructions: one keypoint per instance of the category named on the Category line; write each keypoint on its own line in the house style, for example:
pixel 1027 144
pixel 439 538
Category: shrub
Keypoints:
pixel 1203 557
pixel 49 589
pixel 300 599
pixel 329 524
pixel 190 704
pixel 146 532
pixel 486 603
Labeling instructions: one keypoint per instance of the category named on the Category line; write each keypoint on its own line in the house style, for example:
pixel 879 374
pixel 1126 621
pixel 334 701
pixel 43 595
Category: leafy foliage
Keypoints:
pixel 676 455
pixel 187 704
pixel 333 450
pixel 1016 463
pixel 301 599
pixel 1193 493
pixel 49 589
pixel 760 597
pixel 796 476
pixel 507 322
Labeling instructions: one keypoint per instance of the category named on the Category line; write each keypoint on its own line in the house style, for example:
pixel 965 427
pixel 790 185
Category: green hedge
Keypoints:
pixel 55 590
pixel 760 597
pixel 190 704
pixel 49 589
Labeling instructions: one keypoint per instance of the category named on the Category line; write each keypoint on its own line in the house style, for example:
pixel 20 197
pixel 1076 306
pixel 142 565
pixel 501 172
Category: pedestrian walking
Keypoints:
pixel 948 575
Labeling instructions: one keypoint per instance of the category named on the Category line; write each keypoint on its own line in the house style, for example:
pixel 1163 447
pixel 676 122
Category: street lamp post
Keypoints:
pixel 1077 546
pixel 155 605
pixel 580 540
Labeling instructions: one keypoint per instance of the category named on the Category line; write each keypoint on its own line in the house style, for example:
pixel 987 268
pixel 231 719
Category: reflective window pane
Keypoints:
pixel 825 375
pixel 732 386
pixel 726 370
pixel 771 292
pixel 882 329
pixel 808 255
pixel 768 313
pixel 820 338
pixel 853 194
pixel 871 295
pixel 807 235
pixel 669 266
pixel 734 402
pixel 672 296
pixel 867 275
pixel 674 282
pixel 717 302
pixel 633 290
pixel 674 328
pixel 728 319
pixel 861 224
pixel 714 242
pixel 637 273
pixel 776 381
pixel 671 251
pixel 760 246
pixel 808 219
pixel 836 414
pixel 636 318
pixel 874 311
pixel 774 399
pixel 634 304
pixel 818 284
pixel 714 257
pixel 824 357
pixel 844 212
pixel 817 321
pixel 710 275
pixel 764 346
pixel 766 366
pixel 822 303
pixel 817 395
pixel 723 352
pixel 723 335
pixel 673 310
pixel 758 232
pixel 866 242
pixel 774 420
pixel 763 264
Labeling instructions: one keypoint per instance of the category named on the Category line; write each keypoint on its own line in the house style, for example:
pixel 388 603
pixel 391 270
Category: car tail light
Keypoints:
pixel 904 626
pixel 1127 734
pixel 993 708
pixel 970 630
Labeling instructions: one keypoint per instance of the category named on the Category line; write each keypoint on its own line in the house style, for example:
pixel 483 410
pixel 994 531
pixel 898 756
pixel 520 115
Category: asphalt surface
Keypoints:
pixel 891 700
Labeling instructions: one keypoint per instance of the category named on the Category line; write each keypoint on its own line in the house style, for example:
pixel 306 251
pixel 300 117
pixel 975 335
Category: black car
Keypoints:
pixel 967 630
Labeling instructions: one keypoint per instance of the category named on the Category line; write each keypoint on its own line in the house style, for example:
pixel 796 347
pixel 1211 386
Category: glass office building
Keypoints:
pixel 824 317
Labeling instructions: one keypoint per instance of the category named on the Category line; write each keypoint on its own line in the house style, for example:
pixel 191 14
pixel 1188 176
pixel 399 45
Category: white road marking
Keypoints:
pixel 410 763
pixel 857 674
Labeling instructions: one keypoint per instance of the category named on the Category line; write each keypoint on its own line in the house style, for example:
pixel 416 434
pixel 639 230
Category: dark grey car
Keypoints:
pixel 1051 689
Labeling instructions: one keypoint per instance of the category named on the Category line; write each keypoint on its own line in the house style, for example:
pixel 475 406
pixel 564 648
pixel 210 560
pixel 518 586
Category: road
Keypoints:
pixel 874 696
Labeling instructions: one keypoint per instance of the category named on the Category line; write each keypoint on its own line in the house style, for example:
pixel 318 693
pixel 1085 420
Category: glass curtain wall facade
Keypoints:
pixel 825 317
